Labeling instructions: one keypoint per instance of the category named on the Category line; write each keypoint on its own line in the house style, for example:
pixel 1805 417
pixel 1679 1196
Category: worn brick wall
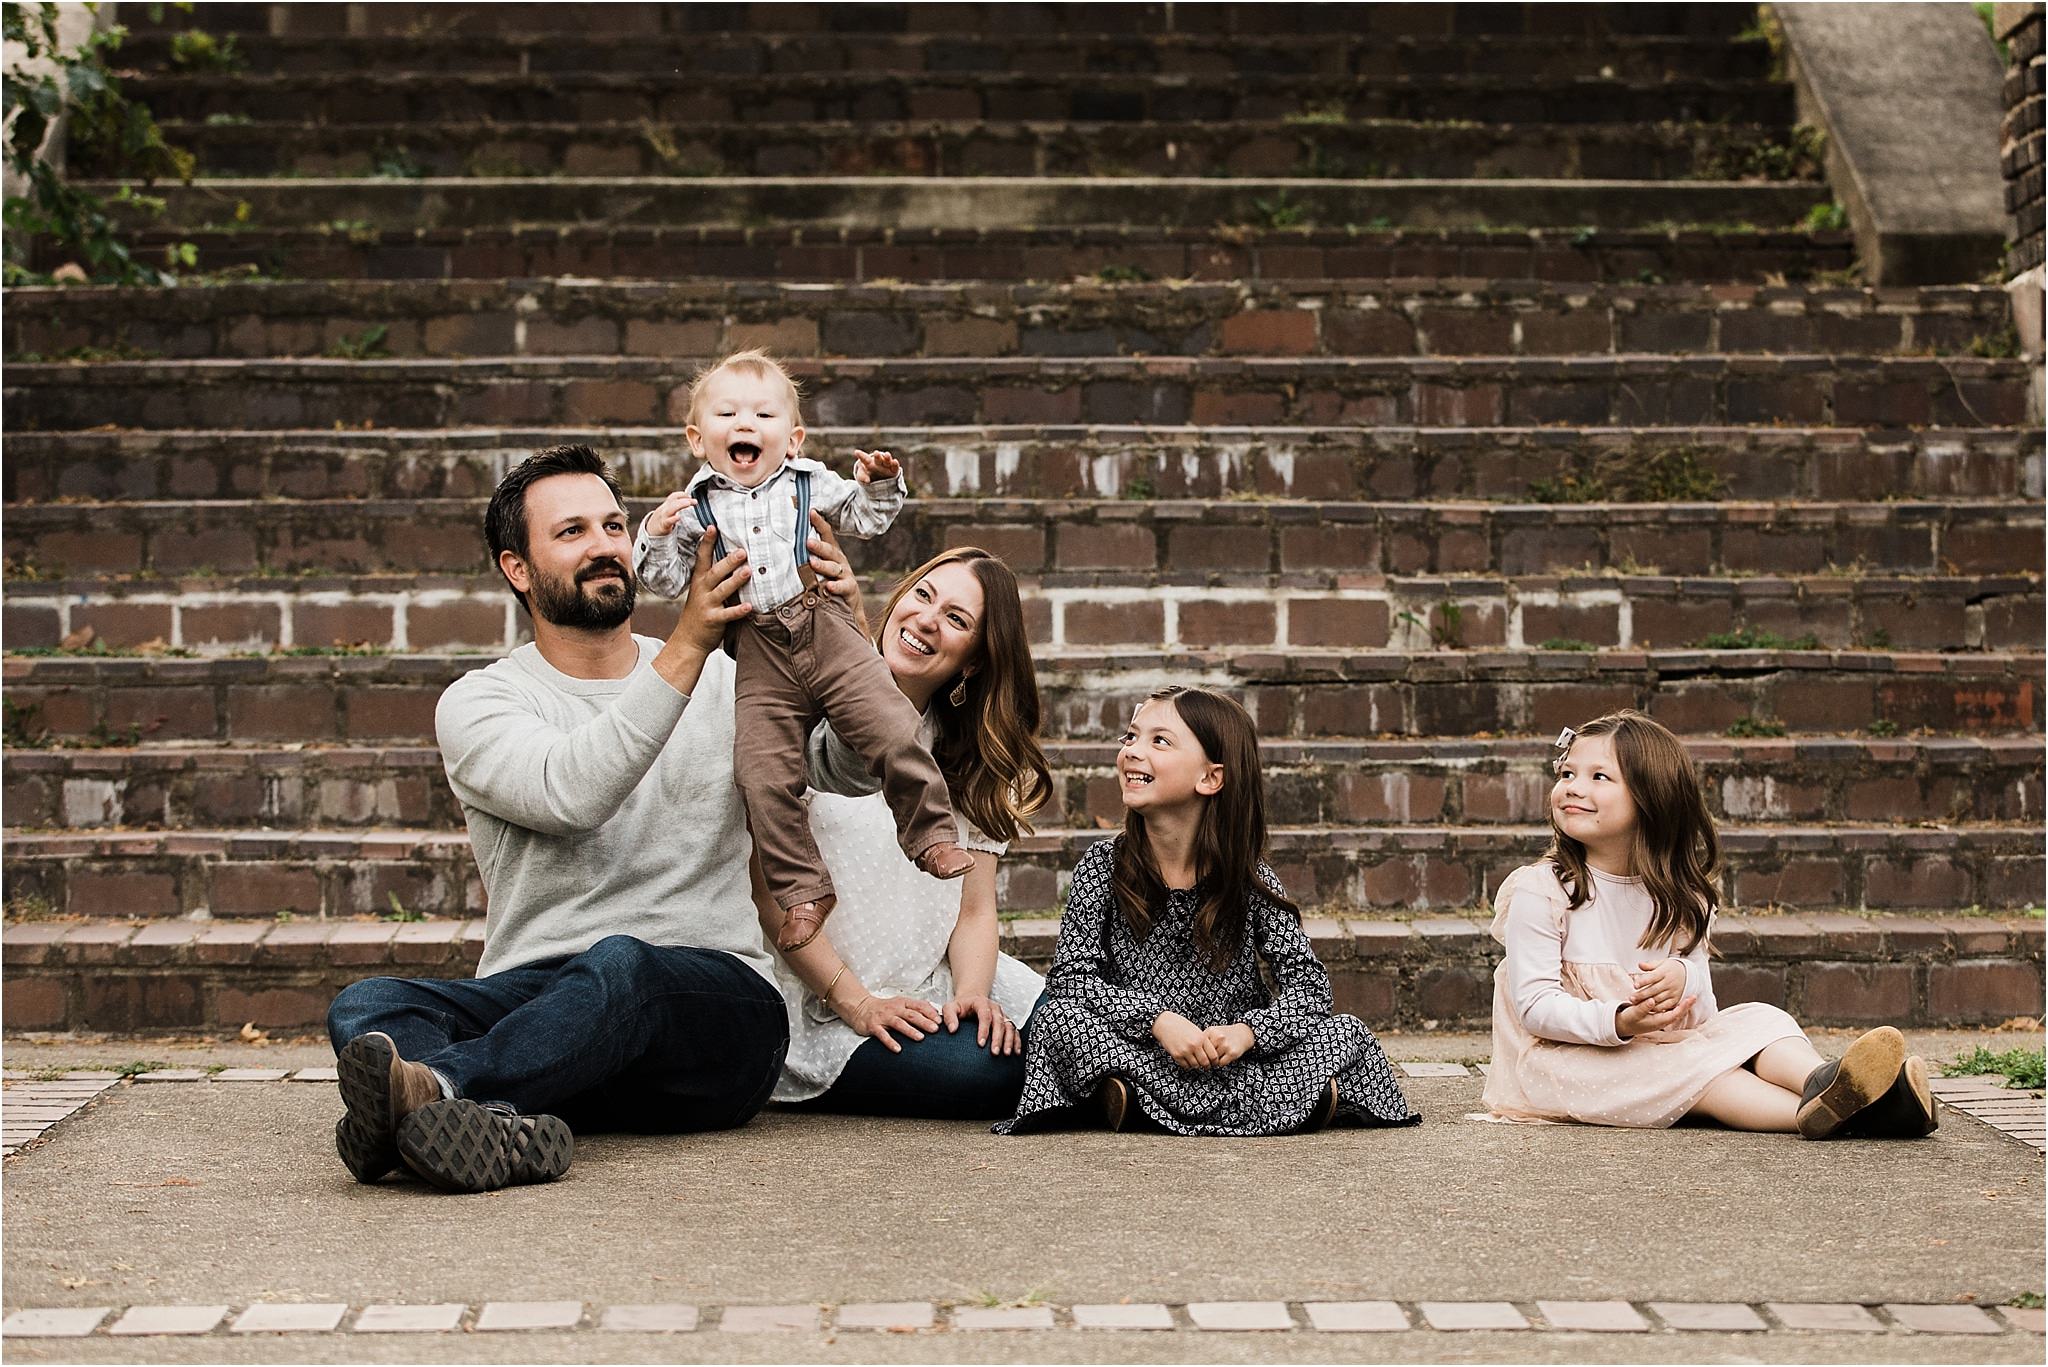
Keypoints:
pixel 2020 152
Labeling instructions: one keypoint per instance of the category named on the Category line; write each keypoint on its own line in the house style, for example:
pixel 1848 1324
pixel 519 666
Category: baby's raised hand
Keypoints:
pixel 1659 985
pixel 869 466
pixel 662 520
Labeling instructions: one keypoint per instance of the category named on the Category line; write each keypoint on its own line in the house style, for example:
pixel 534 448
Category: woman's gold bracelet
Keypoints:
pixel 826 995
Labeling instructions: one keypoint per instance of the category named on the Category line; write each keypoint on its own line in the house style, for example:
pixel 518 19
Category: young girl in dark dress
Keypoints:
pixel 1155 1010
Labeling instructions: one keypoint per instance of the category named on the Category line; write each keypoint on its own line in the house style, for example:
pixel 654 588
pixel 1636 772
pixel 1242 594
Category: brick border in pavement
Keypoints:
pixel 1447 1318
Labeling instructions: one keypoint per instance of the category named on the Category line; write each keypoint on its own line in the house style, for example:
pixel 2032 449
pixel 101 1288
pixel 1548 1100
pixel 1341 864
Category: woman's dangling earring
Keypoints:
pixel 958 697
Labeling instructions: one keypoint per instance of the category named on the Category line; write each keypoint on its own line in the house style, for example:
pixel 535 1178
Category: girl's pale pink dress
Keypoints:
pixel 1555 1053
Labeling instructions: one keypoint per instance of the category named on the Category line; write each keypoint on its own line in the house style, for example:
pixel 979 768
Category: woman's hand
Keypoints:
pixel 993 1030
pixel 1184 1042
pixel 1232 1042
pixel 835 574
pixel 883 1018
pixel 1632 1020
pixel 1659 985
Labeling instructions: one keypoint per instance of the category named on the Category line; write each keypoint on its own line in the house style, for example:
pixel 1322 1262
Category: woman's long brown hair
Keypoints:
pixel 987 746
pixel 1230 838
pixel 1675 851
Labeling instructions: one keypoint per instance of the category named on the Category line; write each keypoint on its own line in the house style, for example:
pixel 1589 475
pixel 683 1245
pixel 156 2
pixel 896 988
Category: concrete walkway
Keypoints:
pixel 228 1194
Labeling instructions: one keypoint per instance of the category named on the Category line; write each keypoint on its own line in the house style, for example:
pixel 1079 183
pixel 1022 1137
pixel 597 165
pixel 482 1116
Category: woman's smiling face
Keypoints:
pixel 935 630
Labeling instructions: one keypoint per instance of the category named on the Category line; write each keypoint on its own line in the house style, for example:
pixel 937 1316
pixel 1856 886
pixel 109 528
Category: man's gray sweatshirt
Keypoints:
pixel 601 807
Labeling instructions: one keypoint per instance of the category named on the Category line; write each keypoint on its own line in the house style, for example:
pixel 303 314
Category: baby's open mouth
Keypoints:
pixel 743 453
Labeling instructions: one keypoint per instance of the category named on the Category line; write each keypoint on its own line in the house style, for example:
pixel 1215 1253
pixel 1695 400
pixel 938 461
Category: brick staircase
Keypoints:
pixel 1263 358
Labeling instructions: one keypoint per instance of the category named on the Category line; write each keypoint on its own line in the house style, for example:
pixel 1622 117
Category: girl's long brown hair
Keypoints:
pixel 1675 851
pixel 1230 838
pixel 987 746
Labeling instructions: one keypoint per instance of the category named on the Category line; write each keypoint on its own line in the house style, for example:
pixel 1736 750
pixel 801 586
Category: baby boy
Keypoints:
pixel 800 655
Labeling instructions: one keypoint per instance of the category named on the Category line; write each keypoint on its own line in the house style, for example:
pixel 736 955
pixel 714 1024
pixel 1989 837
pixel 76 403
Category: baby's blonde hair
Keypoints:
pixel 757 361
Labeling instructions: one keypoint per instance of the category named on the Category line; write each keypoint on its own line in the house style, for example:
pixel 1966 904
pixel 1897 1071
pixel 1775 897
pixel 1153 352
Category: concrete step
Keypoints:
pixel 919 202
pixel 1122 543
pixel 915 392
pixel 687 148
pixel 1418 781
pixel 405 95
pixel 206 613
pixel 429 23
pixel 357 698
pixel 1376 870
pixel 1511 464
pixel 347 247
pixel 1828 967
pixel 1436 317
pixel 996 53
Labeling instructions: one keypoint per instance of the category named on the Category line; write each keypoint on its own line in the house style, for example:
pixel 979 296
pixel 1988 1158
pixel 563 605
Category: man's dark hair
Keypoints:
pixel 505 526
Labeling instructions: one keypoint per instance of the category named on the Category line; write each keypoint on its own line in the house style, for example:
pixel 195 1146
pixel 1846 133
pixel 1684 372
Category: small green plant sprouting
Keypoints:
pixel 30 906
pixel 2002 344
pixel 1138 488
pixel 1319 112
pixel 367 345
pixel 21 724
pixel 1117 273
pixel 1989 14
pixel 1756 638
pixel 1446 633
pixel 400 912
pixel 197 50
pixel 1280 211
pixel 119 351
pixel 1747 727
pixel 1878 639
pixel 359 231
pixel 1826 218
pixel 1883 726
pixel 2027 1300
pixel 1566 643
pixel 228 120
pixel 1673 474
pixel 397 163
pixel 2021 1068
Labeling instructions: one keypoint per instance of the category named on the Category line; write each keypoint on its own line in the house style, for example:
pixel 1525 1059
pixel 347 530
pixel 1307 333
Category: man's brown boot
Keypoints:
pixel 380 1089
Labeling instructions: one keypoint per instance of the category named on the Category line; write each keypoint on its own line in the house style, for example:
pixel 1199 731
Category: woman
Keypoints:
pixel 903 1005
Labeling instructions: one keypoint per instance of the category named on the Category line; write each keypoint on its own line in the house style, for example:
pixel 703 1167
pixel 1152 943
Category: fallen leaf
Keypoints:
pixel 79 639
pixel 254 1036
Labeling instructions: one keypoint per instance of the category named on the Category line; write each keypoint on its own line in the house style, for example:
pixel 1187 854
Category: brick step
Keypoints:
pixel 151 875
pixel 1514 464
pixel 1828 968
pixel 600 95
pixel 1118 542
pixel 920 202
pixel 1434 317
pixel 1299 694
pixel 427 24
pixel 1370 150
pixel 1425 780
pixel 914 392
pixel 360 249
pixel 1009 50
pixel 210 614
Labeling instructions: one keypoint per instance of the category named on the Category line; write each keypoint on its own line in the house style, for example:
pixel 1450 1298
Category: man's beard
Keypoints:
pixel 581 605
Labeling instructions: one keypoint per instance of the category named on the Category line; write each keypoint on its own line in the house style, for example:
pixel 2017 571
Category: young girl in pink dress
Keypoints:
pixel 1603 1009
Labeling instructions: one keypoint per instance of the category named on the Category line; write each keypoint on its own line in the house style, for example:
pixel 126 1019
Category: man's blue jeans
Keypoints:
pixel 624 1036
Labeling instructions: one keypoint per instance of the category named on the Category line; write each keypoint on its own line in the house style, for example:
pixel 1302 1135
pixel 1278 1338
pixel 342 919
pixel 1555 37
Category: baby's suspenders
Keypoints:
pixel 804 572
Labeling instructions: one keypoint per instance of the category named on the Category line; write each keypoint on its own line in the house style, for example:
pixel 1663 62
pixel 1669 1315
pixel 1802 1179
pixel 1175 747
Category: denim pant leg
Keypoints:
pixel 940 1077
pixel 633 1036
pixel 424 1016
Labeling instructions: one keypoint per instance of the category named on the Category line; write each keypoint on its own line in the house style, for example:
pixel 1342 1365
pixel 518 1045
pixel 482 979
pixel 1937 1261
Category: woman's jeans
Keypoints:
pixel 624 1036
pixel 940 1077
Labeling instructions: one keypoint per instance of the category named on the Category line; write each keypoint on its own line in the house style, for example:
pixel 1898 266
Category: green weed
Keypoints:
pixel 1280 211
pixel 1882 727
pixel 397 163
pixel 197 50
pixel 2021 1068
pixel 1119 274
pixel 1566 643
pixel 1756 638
pixel 367 345
pixel 1826 218
pixel 1676 474
pixel 2000 345
pixel 1747 726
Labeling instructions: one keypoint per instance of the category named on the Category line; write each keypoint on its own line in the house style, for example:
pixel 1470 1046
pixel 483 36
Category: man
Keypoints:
pixel 624 984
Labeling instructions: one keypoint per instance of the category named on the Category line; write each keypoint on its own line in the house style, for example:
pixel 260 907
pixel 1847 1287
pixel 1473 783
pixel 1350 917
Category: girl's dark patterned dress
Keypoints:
pixel 1106 988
